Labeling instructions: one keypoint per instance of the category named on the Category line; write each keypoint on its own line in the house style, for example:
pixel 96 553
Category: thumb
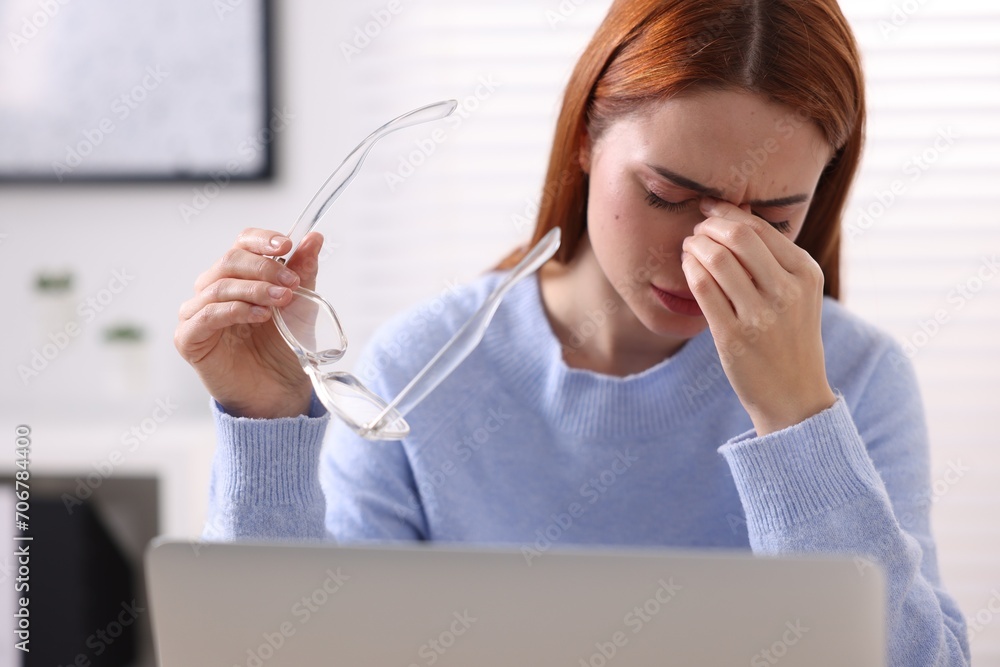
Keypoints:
pixel 305 262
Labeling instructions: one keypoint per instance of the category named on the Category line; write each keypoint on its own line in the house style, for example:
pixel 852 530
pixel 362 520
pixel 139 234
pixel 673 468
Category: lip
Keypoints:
pixel 680 303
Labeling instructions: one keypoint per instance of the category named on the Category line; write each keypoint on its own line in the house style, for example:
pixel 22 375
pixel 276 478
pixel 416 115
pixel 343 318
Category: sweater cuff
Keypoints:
pixel 268 461
pixel 788 476
pixel 316 407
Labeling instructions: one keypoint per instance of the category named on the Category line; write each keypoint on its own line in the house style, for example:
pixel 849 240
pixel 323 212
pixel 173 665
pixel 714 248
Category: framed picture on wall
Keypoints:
pixel 161 90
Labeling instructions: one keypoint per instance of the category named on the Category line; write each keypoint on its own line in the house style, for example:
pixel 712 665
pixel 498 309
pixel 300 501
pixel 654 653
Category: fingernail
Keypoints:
pixel 258 311
pixel 276 292
pixel 287 278
pixel 276 241
pixel 708 204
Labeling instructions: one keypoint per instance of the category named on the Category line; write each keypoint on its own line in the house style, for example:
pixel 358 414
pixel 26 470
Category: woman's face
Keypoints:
pixel 649 171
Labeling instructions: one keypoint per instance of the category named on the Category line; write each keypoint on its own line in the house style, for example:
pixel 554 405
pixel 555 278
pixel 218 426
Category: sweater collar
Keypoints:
pixel 528 355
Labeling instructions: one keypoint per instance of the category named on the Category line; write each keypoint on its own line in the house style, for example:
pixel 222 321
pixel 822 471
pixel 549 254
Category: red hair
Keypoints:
pixel 799 53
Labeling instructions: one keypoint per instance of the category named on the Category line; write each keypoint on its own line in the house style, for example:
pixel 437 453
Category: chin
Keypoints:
pixel 677 326
pixel 666 324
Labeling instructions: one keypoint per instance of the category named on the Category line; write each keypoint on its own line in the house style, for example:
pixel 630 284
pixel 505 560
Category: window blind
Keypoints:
pixel 921 232
pixel 924 267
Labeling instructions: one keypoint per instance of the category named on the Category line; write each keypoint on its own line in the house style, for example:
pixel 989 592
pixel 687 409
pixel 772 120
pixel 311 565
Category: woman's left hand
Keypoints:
pixel 763 298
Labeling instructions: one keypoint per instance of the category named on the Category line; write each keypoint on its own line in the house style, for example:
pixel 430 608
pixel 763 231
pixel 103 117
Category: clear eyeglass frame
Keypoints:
pixel 311 328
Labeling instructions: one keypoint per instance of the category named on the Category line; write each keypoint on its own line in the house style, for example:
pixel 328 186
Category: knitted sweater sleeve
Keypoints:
pixel 855 479
pixel 312 478
pixel 264 481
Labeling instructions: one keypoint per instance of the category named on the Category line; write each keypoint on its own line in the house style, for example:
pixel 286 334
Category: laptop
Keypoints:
pixel 423 604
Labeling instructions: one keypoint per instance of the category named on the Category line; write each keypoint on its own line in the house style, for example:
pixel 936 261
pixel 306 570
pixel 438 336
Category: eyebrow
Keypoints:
pixel 688 184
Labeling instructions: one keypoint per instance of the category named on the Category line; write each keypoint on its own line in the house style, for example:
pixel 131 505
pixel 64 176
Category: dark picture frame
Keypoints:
pixel 159 91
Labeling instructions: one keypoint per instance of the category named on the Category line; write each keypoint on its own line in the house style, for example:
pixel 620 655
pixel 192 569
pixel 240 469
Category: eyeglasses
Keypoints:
pixel 310 325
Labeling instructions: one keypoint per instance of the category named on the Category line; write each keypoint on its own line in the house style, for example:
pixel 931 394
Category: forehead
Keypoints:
pixel 739 143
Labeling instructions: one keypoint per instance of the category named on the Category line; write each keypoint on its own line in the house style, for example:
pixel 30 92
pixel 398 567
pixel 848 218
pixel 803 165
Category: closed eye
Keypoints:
pixel 784 226
pixel 656 201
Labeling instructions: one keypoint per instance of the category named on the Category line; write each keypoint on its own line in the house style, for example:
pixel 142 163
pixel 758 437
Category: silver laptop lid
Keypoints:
pixel 271 605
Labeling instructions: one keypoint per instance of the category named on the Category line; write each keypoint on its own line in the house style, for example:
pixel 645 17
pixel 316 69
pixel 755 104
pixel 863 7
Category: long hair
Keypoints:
pixel 799 53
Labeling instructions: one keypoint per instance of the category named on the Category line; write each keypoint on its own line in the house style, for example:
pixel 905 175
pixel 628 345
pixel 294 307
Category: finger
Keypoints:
pixel 727 272
pixel 263 242
pixel 746 246
pixel 305 260
pixel 211 319
pixel 707 293
pixel 247 265
pixel 788 254
pixel 253 292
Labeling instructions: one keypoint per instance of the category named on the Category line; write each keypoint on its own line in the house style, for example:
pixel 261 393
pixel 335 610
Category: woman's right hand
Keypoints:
pixel 226 332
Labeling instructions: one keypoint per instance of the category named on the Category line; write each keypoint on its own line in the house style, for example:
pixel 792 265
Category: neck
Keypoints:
pixel 596 328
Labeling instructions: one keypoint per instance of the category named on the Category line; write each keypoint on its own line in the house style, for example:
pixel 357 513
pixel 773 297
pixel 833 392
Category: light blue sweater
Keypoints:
pixel 517 448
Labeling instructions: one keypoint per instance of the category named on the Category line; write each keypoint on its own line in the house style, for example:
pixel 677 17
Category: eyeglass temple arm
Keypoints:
pixel 348 169
pixel 468 337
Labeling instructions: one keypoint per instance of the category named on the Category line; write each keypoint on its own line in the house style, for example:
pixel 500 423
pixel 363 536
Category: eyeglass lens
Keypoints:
pixel 359 407
pixel 314 327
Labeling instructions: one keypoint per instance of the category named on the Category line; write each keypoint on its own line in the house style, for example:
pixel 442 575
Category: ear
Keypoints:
pixel 585 152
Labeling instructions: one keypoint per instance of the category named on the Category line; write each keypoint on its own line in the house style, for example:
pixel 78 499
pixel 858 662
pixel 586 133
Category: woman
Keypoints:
pixel 681 375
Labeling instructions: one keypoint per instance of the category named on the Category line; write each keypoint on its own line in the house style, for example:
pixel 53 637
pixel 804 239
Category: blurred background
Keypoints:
pixel 137 140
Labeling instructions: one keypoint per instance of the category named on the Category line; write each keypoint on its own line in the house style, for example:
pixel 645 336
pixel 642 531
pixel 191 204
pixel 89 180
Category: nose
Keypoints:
pixel 745 207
